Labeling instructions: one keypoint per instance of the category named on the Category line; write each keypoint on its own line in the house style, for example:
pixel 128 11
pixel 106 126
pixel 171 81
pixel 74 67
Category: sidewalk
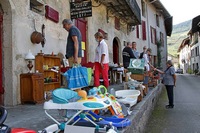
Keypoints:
pixel 34 117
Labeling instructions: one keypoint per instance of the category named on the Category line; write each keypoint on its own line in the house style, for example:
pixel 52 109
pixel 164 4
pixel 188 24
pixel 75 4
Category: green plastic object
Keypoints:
pixel 136 66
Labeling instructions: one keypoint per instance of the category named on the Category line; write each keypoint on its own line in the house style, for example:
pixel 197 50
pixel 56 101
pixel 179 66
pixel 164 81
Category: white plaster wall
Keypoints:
pixel 99 21
pixel 22 27
pixel 152 22
pixel 19 24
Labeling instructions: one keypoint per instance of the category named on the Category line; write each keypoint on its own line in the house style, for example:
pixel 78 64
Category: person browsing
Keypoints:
pixel 101 66
pixel 127 54
pixel 169 80
pixel 73 48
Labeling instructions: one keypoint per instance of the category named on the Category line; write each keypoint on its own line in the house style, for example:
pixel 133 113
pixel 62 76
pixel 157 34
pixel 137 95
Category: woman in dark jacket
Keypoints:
pixel 169 80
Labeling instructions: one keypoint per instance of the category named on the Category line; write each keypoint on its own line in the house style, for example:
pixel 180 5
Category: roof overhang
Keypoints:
pixel 127 10
pixel 185 42
pixel 195 24
pixel 168 19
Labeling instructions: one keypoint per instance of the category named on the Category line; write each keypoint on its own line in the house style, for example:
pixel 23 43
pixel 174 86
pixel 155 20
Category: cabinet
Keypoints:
pixel 44 64
pixel 32 87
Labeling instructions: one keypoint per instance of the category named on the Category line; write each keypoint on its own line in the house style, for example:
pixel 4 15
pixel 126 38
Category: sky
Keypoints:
pixel 182 10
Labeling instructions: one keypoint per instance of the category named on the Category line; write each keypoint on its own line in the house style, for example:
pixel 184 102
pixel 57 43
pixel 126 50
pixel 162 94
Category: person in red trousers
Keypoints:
pixel 101 61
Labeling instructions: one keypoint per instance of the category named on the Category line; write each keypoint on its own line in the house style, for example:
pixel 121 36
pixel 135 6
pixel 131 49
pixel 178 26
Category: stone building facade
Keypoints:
pixel 20 19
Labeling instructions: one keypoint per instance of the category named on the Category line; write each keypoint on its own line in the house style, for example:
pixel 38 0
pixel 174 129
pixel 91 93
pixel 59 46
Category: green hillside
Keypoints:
pixel 179 33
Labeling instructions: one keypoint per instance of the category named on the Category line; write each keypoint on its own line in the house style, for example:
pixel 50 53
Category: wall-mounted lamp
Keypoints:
pixel 29 57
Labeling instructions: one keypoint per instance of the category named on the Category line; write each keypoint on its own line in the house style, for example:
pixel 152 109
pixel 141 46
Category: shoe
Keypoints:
pixel 169 106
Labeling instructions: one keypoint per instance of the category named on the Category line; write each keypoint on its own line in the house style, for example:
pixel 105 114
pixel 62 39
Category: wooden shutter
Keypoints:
pixel 117 23
pixel 137 31
pixel 143 30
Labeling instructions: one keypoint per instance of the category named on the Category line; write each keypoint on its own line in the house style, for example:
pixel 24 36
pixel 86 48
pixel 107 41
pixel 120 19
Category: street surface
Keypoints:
pixel 185 116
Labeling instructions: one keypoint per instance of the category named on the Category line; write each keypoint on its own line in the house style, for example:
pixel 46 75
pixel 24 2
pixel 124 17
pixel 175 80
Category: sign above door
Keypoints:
pixel 80 9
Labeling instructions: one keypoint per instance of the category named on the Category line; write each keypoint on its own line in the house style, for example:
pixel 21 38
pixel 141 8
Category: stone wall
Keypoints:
pixel 142 111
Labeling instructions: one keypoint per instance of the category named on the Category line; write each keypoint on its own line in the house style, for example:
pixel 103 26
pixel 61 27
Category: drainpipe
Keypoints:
pixel 148 27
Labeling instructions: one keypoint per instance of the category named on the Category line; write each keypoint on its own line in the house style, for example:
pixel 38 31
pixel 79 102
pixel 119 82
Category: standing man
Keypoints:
pixel 134 49
pixel 73 48
pixel 101 61
pixel 127 54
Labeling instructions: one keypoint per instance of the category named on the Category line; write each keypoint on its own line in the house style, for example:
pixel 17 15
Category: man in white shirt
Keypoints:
pixel 101 61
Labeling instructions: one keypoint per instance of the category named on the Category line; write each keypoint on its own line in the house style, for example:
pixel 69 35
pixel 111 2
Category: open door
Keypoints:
pixel 81 24
pixel 115 51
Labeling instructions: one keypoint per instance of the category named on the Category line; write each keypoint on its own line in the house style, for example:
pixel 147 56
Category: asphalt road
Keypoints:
pixel 185 116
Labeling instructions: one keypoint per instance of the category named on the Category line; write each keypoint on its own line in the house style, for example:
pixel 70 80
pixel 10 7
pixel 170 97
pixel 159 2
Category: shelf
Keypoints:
pixel 50 60
pixel 51 83
pixel 50 71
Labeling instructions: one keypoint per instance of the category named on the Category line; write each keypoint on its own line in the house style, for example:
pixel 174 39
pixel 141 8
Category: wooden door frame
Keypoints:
pixel 1 57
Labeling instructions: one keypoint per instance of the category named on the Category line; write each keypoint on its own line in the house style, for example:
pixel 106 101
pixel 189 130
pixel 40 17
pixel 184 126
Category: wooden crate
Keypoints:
pixel 138 77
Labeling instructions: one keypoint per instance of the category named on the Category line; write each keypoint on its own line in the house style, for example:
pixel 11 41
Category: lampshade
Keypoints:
pixel 29 56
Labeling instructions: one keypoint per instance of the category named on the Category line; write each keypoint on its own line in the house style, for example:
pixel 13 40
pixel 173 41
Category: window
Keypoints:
pixel 144 30
pixel 153 35
pixel 192 53
pixel 197 51
pixel 157 20
pixel 117 23
pixel 143 8
pixel 37 6
pixel 137 31
pixel 155 61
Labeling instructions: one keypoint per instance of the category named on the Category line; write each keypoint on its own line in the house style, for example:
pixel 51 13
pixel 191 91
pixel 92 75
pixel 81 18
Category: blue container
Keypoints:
pixel 62 95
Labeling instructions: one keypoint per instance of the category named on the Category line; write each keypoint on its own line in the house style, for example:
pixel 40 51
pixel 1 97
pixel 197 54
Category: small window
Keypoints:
pixel 143 9
pixel 117 23
pixel 37 6
pixel 162 39
pixel 157 20
pixel 153 35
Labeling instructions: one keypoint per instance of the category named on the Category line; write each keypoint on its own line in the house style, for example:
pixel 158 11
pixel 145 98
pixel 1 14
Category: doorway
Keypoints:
pixel 115 51
pixel 81 24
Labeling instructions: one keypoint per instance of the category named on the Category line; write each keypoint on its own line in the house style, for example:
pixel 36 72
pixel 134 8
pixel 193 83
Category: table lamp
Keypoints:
pixel 29 57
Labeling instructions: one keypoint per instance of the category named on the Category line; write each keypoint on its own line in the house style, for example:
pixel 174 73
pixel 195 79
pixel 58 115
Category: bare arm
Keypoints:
pixel 102 59
pixel 155 69
pixel 75 39
pixel 174 76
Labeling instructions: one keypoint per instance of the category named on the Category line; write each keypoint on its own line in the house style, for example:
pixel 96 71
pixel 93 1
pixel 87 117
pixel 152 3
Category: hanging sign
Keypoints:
pixel 80 9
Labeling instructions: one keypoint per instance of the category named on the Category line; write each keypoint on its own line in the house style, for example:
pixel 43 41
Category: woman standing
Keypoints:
pixel 169 80
pixel 101 61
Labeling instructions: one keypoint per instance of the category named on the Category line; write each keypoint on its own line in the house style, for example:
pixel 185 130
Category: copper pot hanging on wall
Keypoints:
pixel 36 37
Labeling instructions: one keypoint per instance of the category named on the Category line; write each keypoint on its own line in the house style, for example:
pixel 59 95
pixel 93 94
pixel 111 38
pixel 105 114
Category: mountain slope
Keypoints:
pixel 179 33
